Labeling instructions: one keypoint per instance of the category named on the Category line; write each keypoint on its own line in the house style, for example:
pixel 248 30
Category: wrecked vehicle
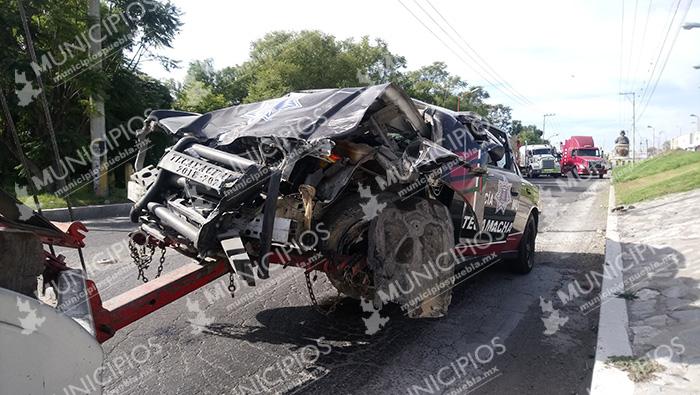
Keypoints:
pixel 384 194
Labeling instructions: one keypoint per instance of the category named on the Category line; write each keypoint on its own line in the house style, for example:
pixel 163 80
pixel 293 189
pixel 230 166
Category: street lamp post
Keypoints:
pixel 653 136
pixel 697 121
pixel 544 120
pixel 634 119
pixel 688 26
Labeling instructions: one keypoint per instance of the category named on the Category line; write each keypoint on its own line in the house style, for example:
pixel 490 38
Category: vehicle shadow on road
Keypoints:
pixel 478 309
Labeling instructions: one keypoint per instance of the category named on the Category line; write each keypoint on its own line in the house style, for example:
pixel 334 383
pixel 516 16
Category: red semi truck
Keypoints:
pixel 580 157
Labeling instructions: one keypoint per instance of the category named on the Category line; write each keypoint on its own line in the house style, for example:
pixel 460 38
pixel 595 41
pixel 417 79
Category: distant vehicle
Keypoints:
pixel 581 157
pixel 538 159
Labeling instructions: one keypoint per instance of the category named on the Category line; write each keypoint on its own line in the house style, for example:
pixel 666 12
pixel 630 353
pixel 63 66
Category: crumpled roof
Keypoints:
pixel 309 115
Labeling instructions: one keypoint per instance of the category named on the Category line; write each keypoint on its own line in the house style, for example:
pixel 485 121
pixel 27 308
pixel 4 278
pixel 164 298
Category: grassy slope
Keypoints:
pixel 676 171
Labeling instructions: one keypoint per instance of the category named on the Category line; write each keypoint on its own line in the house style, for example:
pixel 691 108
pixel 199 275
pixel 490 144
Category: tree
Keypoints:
pixel 197 92
pixel 281 62
pixel 59 31
pixel 500 116
pixel 530 134
pixel 434 84
pixel 206 89
pixel 232 83
pixel 374 63
pixel 284 61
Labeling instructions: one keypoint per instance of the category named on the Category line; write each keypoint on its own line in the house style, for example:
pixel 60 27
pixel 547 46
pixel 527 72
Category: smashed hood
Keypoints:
pixel 307 115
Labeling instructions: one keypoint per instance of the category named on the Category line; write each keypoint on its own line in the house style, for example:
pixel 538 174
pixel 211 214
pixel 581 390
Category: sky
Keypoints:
pixel 571 58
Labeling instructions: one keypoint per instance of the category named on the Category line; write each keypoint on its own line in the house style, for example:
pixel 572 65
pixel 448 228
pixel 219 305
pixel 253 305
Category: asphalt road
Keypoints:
pixel 270 339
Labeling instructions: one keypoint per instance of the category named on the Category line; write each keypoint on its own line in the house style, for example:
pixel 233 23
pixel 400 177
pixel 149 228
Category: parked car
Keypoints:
pixel 364 184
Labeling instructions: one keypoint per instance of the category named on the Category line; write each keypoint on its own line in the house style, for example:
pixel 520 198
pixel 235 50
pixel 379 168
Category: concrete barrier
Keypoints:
pixel 612 325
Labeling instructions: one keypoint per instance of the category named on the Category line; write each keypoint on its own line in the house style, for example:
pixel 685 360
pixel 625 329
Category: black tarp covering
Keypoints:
pixel 314 115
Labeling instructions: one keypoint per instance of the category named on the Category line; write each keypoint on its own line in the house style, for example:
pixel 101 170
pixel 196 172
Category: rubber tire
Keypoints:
pixel 525 260
pixel 574 174
pixel 344 220
pixel 600 176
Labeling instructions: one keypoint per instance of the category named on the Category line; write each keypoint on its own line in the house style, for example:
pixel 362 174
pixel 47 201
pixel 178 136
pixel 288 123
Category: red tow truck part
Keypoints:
pixel 580 157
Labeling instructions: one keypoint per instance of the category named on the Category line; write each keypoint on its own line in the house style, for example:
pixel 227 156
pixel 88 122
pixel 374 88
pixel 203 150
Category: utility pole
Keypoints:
pixel 97 106
pixel 634 119
pixel 544 121
pixel 647 140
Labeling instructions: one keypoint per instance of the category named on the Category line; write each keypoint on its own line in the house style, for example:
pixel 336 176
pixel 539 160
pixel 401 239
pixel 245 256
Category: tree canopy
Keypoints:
pixel 279 62
pixel 61 31
pixel 530 133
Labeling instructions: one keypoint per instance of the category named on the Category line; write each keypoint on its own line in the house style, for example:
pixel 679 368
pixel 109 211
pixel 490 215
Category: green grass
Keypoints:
pixel 664 162
pixel 676 171
pixel 82 197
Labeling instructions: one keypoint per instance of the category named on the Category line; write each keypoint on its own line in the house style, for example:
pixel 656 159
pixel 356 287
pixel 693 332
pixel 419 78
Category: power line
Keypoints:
pixel 515 99
pixel 668 56
pixel 644 35
pixel 496 84
pixel 661 50
pixel 484 64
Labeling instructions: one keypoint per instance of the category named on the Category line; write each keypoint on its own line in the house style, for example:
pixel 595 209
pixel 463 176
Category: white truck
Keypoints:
pixel 538 159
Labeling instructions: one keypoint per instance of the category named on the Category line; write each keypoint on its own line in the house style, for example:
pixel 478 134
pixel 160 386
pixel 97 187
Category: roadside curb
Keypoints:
pixel 83 213
pixel 613 322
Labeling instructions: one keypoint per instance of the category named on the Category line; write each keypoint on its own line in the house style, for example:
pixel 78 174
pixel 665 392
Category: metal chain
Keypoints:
pixel 136 257
pixel 142 259
pixel 231 283
pixel 310 287
pixel 161 260
pixel 318 308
